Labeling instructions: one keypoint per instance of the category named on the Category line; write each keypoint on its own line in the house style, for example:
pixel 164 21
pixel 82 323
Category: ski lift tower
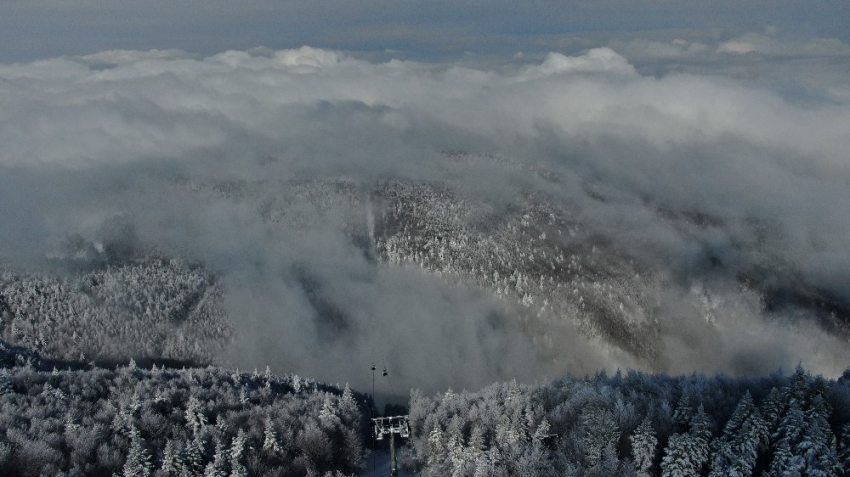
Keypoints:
pixel 390 426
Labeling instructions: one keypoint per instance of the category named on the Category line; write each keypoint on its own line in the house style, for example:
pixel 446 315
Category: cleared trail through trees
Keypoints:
pixel 382 465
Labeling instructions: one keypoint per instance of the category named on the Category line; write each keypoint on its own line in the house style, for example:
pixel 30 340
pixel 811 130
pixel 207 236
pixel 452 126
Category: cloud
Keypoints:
pixel 765 45
pixel 596 60
pixel 112 58
pixel 205 155
pixel 676 49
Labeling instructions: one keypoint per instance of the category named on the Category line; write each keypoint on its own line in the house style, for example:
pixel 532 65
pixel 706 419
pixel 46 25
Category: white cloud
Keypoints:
pixel 731 148
pixel 318 104
pixel 123 57
pixel 597 60
pixel 765 45
pixel 306 56
pixel 740 47
pixel 677 49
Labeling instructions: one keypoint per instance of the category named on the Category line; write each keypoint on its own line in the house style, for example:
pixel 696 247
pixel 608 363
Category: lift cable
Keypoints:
pixel 386 375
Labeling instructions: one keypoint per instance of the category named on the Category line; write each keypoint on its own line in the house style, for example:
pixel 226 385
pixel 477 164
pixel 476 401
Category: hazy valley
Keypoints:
pixel 627 258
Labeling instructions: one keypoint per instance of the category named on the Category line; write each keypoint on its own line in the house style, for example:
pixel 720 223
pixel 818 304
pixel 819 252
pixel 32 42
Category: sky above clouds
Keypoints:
pixel 739 110
pixel 425 30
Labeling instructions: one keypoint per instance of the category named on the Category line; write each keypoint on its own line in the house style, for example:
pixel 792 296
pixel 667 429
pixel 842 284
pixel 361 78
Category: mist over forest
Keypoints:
pixel 687 222
pixel 644 206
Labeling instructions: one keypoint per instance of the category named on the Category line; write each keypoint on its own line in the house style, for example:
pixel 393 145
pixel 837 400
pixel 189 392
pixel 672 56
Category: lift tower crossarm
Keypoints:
pixel 390 426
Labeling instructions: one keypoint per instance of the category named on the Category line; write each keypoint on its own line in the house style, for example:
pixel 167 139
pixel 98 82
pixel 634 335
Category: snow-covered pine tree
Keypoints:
pixel 541 433
pixel 688 453
pixel 237 453
pixel 270 441
pixel 724 450
pixel 327 415
pixel 818 444
pixel 683 413
pixel 5 384
pixel 218 466
pixel 598 431
pixel 752 439
pixel 171 460
pixel 195 418
pixel 349 413
pixel 194 455
pixel 742 411
pixel 788 435
pixel 123 422
pixel 138 463
pixel 844 450
pixel 436 447
pixel 644 446
pixel 772 408
pixel 675 462
pixel 243 396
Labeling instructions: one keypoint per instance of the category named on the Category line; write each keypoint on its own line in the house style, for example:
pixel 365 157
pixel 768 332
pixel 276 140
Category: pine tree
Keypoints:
pixel 799 385
pixel 844 449
pixel 817 446
pixel 772 409
pixel 237 452
pixel 456 453
pixel 436 447
pixel 688 453
pixel 532 462
pixel 728 448
pixel 742 411
pixel 644 445
pixel 701 432
pixel 721 460
pixel 542 431
pixel 683 413
pixel 171 461
pixel 5 384
pixel 788 435
pixel 270 442
pixel 348 406
pixel 598 431
pixel 752 438
pixel 607 466
pixel 195 418
pixel 123 422
pixel 138 463
pixel 243 396
pixel 327 415
pixel 476 450
pixel 194 455
pixel 675 462
pixel 218 466
pixel 784 463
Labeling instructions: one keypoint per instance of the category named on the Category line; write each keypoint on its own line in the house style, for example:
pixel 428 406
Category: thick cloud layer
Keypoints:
pixel 191 149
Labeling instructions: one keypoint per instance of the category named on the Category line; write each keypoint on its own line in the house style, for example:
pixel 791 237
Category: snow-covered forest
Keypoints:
pixel 72 405
pixel 79 420
pixel 74 419
pixel 150 308
pixel 638 425
pixel 571 238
